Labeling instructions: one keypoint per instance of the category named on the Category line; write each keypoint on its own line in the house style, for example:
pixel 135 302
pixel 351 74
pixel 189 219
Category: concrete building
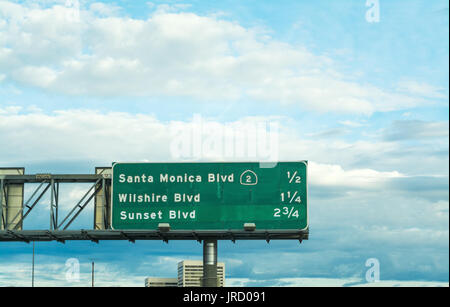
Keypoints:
pixel 190 273
pixel 161 282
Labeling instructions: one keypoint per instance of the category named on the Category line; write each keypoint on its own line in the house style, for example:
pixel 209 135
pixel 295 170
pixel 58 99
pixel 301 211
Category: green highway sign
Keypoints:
pixel 210 196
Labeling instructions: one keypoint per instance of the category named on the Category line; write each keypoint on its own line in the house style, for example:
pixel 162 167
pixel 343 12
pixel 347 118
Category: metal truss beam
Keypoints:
pixel 79 207
pixel 49 182
pixel 34 203
pixel 62 178
pixel 133 235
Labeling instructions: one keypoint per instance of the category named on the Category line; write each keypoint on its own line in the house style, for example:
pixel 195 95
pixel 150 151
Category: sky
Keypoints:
pixel 358 88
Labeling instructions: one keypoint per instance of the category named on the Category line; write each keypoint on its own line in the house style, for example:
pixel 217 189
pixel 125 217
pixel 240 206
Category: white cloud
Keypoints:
pixel 332 282
pixel 103 9
pixel 335 175
pixel 10 110
pixel 18 274
pixel 118 136
pixel 352 124
pixel 403 283
pixel 415 129
pixel 421 89
pixel 173 54
pixel 441 208
pixel 37 76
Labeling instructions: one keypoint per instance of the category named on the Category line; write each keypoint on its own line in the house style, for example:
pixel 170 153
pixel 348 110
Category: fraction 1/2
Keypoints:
pixel 294 178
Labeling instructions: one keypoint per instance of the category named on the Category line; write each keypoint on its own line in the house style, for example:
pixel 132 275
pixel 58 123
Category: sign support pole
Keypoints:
pixel 2 220
pixel 210 263
pixel 32 269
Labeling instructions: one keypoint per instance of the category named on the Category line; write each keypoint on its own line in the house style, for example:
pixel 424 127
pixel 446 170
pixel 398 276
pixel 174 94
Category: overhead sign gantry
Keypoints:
pixel 165 201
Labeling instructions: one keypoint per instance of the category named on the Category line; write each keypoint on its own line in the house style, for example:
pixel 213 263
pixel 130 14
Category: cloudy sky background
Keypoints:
pixel 85 83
